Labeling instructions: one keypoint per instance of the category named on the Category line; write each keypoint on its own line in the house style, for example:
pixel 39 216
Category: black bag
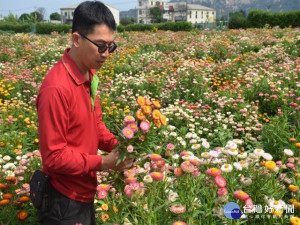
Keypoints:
pixel 39 189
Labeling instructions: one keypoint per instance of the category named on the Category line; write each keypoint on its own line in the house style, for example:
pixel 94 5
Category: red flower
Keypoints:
pixel 220 181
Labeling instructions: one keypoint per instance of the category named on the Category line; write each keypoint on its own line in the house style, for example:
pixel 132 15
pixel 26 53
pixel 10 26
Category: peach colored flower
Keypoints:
pixel 213 172
pixel 158 176
pixel 187 167
pixel 241 195
pixel 178 209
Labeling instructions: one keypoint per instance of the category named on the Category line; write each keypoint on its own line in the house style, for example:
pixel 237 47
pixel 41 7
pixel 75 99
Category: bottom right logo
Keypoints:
pixel 232 210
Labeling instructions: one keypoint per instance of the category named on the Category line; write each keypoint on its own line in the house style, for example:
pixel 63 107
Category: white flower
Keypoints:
pixel 226 168
pixel 7 158
pixel 276 205
pixel 2 161
pixel 267 156
pixel 238 141
pixel 238 166
pixel 188 156
pixel 172 196
pixel 175 156
pixel 244 164
pixel 196 146
pixel 242 155
pixel 288 152
pixel 259 152
pixel 205 144
pixel 205 155
pixel 233 151
pixel 231 145
pixel 246 181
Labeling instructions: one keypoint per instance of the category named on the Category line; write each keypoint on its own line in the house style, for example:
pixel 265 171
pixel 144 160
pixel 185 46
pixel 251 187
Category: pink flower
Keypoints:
pixel 129 180
pixel 155 157
pixel 103 187
pixel 220 181
pixel 213 172
pixel 195 162
pixel 178 172
pixel 170 146
pixel 129 148
pixel 102 194
pixel 129 119
pixel 241 195
pixel 132 188
pixel 145 126
pixel 130 173
pixel 222 191
pixel 179 223
pixel 187 167
pixel 158 176
pixel 249 203
pixel 178 209
pixel 133 126
pixel 128 132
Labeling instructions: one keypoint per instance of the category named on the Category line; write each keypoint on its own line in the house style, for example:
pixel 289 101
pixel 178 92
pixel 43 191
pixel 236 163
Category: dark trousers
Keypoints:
pixel 60 210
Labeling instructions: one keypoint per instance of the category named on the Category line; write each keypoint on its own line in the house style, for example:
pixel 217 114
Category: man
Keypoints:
pixel 70 125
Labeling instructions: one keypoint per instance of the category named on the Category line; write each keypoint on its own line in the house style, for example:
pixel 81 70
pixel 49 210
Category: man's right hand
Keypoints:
pixel 109 161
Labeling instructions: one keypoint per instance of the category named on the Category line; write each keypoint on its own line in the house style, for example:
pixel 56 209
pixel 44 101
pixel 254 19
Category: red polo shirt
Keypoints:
pixel 70 133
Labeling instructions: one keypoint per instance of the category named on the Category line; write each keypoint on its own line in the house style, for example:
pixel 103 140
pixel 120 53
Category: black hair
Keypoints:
pixel 91 13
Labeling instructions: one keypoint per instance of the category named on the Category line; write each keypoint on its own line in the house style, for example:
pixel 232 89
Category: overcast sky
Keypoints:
pixel 18 7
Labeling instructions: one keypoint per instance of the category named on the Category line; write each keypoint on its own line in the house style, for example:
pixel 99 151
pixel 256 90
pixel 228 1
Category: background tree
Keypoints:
pixel 24 17
pixel 126 21
pixel 36 15
pixel 55 16
pixel 41 11
pixel 237 20
pixel 156 15
pixel 11 18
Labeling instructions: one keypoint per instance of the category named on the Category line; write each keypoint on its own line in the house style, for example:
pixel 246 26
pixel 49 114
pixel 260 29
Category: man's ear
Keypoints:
pixel 76 39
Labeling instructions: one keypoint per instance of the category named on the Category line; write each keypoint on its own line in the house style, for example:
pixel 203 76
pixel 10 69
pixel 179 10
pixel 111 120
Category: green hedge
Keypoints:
pixel 172 26
pixel 259 18
pixel 48 28
pixel 16 28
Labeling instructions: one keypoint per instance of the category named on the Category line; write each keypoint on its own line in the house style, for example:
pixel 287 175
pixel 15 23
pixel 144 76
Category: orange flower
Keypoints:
pixel 11 179
pixel 24 199
pixel 293 188
pixel 156 104
pixel 115 209
pixel 3 186
pixel 140 115
pixel 156 114
pixel 146 109
pixel 157 123
pixel 141 100
pixel 163 120
pixel 4 202
pixel 7 196
pixel 22 215
pixel 105 217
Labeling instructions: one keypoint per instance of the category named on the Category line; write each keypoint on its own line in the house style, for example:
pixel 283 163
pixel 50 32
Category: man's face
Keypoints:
pixel 91 56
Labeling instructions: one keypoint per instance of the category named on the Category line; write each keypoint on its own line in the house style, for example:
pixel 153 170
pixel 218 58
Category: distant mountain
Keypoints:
pixel 223 7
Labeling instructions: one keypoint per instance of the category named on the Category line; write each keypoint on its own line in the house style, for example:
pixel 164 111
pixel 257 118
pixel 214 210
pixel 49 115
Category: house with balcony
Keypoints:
pixel 67 13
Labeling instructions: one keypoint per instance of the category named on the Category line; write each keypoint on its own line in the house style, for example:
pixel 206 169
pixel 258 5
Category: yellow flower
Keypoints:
pixel 270 165
pixel 104 207
pixel 295 220
pixel 293 188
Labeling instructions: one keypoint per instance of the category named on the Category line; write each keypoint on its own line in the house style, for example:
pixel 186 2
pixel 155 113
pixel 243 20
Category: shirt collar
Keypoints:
pixel 73 70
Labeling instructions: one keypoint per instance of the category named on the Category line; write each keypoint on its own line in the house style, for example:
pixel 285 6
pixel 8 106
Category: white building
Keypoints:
pixel 67 13
pixel 144 6
pixel 193 13
pixel 176 11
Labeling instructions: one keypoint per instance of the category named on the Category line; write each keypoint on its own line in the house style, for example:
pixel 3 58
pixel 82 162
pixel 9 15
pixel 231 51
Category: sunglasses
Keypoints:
pixel 102 47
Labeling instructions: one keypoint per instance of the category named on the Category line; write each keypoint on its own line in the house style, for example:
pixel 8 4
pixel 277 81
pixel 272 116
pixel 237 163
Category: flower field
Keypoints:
pixel 213 117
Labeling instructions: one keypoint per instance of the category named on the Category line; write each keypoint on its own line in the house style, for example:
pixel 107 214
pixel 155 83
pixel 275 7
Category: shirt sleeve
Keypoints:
pixel 107 140
pixel 57 156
